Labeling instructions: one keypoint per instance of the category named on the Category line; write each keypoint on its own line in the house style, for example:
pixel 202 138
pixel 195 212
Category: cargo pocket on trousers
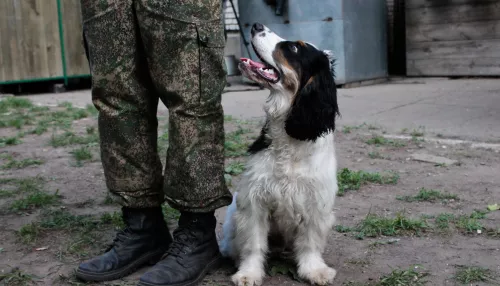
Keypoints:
pixel 213 71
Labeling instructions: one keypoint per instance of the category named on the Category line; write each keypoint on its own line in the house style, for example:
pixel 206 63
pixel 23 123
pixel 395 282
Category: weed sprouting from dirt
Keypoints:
pixel 24 185
pixel 427 195
pixel 378 140
pixel 169 213
pixel 81 154
pixel 90 108
pixel 417 133
pixel 10 141
pixel 14 103
pixel 343 228
pixel 29 232
pixel 406 277
pixel 478 214
pixel 108 200
pixel 69 138
pixel 31 191
pixel 85 228
pixel 16 277
pixel 236 143
pixel 443 220
pixel 33 200
pixel 375 155
pixel 375 226
pixel 18 113
pixel 353 180
pixel 472 274
pixel 468 224
pixel 235 168
pixel 20 164
pixel 163 142
pixel 411 276
pixel 114 219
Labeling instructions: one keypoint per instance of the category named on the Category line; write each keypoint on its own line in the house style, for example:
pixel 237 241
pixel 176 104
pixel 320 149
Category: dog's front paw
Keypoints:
pixel 321 276
pixel 247 278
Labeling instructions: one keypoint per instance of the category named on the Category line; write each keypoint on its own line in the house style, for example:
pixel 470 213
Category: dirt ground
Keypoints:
pixel 399 221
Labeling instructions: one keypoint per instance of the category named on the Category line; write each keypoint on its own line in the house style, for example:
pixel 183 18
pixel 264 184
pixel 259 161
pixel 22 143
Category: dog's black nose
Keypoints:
pixel 256 28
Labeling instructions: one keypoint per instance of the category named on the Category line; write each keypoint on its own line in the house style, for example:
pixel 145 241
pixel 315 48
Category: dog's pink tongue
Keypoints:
pixel 252 63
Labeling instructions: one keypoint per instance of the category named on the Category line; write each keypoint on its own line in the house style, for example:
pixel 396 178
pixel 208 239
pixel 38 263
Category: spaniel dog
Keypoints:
pixel 288 189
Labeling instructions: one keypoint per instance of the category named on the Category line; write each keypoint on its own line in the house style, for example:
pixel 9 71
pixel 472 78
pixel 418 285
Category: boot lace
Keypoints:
pixel 121 237
pixel 184 237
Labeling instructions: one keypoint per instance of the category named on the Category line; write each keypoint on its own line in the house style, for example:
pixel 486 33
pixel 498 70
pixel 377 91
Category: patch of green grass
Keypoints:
pixel 90 130
pixel 378 140
pixel 29 232
pixel 375 226
pixel 90 108
pixel 348 129
pixel 236 143
pixel 108 200
pixel 10 141
pixel 468 224
pixel 235 168
pixel 114 219
pixel 443 220
pixel 427 195
pixel 81 154
pixel 24 185
pixel 383 242
pixel 163 142
pixel 41 127
pixel 375 155
pixel 87 228
pixel 417 133
pixel 404 277
pixel 6 193
pixel 24 113
pixel 169 213
pixel 34 200
pixel 493 232
pixel 16 119
pixel 20 164
pixel 16 278
pixel 343 228
pixel 473 274
pixel 14 103
pixel 353 180
pixel 63 220
pixel 69 138
pixel 479 214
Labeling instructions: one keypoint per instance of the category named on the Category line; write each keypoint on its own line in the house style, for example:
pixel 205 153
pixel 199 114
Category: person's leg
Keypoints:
pixel 123 93
pixel 184 41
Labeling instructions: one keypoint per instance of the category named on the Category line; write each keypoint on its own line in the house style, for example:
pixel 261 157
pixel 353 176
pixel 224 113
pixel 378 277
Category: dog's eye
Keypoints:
pixel 294 48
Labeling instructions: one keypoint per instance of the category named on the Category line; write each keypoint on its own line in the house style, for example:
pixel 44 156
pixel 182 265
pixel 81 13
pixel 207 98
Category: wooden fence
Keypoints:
pixel 41 40
pixel 453 37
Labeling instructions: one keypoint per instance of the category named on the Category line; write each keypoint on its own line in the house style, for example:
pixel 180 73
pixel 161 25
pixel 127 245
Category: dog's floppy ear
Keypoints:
pixel 315 107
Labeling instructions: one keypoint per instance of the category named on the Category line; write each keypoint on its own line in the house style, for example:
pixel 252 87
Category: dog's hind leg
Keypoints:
pixel 308 247
pixel 252 228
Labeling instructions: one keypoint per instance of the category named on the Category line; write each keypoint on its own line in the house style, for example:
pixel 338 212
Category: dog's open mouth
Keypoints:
pixel 264 70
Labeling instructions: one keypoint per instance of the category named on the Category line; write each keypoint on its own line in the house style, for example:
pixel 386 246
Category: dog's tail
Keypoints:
pixel 228 229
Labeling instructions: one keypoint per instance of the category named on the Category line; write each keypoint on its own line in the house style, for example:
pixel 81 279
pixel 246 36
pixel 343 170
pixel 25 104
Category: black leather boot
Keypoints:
pixel 191 255
pixel 144 240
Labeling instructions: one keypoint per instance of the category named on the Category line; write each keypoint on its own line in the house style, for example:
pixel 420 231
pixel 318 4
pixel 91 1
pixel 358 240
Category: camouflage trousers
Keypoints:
pixel 143 51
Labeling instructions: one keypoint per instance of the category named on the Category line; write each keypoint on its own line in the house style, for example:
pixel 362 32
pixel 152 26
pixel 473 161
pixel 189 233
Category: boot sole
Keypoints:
pixel 211 266
pixel 150 258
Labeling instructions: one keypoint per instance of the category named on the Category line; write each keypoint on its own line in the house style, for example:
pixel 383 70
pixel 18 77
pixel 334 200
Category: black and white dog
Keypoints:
pixel 289 186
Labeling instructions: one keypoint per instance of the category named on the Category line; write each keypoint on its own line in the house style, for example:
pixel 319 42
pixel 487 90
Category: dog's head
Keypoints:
pixel 302 74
